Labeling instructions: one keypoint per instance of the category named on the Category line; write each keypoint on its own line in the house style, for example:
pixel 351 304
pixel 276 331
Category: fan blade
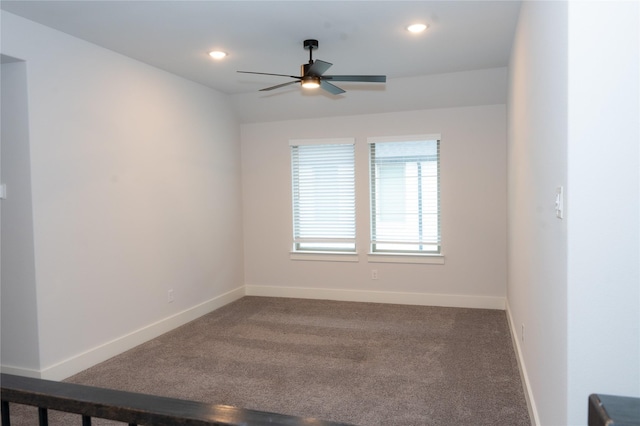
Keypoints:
pixel 335 90
pixel 266 73
pixel 278 86
pixel 318 67
pixel 361 78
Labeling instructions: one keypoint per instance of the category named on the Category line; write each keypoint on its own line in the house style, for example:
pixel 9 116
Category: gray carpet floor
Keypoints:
pixel 360 363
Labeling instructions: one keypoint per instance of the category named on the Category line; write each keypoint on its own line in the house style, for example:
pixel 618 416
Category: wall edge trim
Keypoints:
pixel 524 376
pixel 87 359
pixel 20 371
pixel 402 298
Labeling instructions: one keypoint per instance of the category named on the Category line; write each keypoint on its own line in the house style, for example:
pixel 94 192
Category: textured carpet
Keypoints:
pixel 361 363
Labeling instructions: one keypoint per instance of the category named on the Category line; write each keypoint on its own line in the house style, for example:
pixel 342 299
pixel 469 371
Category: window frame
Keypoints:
pixel 403 256
pixel 317 253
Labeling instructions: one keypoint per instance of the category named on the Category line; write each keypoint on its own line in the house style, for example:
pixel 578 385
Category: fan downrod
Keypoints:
pixel 310 45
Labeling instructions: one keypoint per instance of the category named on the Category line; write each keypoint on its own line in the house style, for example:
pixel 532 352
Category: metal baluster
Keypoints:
pixel 43 416
pixel 6 421
pixel 86 421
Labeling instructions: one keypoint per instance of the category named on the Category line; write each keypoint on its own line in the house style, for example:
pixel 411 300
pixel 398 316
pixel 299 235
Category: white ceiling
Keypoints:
pixel 358 37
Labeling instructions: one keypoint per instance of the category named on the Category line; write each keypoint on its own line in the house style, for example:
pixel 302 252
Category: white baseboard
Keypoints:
pixel 402 298
pixel 528 393
pixel 82 361
pixel 19 371
pixel 87 359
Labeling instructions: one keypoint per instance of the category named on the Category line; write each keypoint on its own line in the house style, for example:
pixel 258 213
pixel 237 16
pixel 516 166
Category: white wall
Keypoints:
pixel 473 196
pixel 575 283
pixel 18 291
pixel 603 203
pixel 457 89
pixel 537 294
pixel 135 178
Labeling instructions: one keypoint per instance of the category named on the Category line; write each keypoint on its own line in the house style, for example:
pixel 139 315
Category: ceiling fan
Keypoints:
pixel 312 74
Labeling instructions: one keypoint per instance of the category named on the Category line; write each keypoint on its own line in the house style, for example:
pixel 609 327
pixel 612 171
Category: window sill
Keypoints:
pixel 433 259
pixel 324 256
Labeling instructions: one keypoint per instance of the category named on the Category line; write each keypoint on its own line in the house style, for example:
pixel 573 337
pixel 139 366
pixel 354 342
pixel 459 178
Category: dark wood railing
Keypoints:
pixel 132 408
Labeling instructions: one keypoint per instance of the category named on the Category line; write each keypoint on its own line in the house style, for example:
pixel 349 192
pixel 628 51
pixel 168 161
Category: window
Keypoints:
pixel 405 194
pixel 323 189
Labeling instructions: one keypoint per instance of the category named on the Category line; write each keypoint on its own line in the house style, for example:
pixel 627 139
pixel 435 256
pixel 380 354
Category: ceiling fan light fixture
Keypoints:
pixel 310 82
pixel 312 75
pixel 217 54
pixel 417 28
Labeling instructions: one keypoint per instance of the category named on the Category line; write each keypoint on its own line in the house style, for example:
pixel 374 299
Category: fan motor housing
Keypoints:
pixel 304 69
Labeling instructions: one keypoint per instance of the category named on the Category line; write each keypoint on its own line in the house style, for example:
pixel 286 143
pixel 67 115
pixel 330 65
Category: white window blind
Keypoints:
pixel 323 184
pixel 405 194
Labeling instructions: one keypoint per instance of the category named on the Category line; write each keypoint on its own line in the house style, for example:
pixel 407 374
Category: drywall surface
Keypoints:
pixel 537 294
pixel 603 203
pixel 473 197
pixel 18 281
pixel 136 189
pixel 574 283
pixel 456 89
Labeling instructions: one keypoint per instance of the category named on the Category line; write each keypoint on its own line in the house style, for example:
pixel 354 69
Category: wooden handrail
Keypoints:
pixel 134 408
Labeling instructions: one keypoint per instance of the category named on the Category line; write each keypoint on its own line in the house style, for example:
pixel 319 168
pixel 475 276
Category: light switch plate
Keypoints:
pixel 559 202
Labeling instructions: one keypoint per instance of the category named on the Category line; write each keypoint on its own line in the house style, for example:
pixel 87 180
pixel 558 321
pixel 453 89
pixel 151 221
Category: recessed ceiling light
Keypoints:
pixel 416 28
pixel 217 54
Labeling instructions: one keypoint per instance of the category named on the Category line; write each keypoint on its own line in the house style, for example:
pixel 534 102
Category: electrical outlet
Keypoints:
pixel 170 296
pixel 374 274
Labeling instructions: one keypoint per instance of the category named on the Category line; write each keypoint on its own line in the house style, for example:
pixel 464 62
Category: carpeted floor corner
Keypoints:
pixel 360 363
